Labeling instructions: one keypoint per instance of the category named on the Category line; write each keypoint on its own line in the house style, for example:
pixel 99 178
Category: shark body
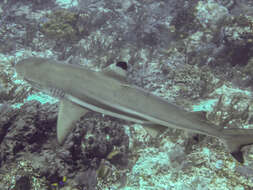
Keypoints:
pixel 81 90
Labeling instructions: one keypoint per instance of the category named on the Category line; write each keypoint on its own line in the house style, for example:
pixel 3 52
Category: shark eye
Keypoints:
pixel 122 65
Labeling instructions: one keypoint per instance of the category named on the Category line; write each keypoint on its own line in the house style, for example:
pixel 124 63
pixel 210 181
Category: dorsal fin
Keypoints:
pixel 122 65
pixel 117 71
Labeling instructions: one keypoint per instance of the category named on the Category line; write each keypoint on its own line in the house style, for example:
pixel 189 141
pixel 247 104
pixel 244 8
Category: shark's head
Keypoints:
pixel 20 68
pixel 29 70
pixel 27 66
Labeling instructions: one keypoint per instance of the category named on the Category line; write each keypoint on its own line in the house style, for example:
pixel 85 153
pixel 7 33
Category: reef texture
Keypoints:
pixel 197 54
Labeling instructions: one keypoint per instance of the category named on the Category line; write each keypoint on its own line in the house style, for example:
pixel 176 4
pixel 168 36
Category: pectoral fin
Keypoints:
pixel 68 114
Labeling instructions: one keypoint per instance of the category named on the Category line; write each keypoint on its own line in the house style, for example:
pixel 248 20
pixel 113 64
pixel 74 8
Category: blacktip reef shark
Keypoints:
pixel 82 90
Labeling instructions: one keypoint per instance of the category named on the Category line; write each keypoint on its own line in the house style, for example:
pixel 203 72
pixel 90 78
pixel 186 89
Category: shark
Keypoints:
pixel 81 90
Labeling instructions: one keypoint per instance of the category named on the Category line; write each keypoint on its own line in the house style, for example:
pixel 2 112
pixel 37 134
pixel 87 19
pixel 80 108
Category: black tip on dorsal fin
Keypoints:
pixel 122 65
pixel 238 155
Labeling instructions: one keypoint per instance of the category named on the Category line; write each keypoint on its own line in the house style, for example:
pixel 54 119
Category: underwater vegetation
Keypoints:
pixel 84 155
pixel 242 8
pixel 185 23
pixel 65 25
pixel 238 38
pixel 9 89
pixel 104 32
pixel 23 183
pixel 248 69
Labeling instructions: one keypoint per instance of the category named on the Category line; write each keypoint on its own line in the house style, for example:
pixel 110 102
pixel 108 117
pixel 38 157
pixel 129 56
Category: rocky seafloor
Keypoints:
pixel 196 54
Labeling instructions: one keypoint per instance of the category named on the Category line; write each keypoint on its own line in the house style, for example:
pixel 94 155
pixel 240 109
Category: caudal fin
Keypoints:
pixel 235 139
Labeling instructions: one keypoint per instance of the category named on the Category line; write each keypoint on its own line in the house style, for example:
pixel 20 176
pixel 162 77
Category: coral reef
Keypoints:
pixel 10 89
pixel 28 136
pixel 64 25
pixel 185 23
pixel 197 54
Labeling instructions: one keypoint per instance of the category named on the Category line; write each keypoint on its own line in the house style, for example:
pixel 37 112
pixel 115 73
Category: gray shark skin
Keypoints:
pixel 81 90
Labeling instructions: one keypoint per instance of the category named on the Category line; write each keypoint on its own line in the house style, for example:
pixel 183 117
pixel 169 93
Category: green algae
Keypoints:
pixel 63 25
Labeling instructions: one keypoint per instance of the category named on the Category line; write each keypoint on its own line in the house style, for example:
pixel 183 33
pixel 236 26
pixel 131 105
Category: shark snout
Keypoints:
pixel 20 69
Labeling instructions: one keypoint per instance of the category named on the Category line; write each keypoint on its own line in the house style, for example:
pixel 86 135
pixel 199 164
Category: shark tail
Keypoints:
pixel 235 139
